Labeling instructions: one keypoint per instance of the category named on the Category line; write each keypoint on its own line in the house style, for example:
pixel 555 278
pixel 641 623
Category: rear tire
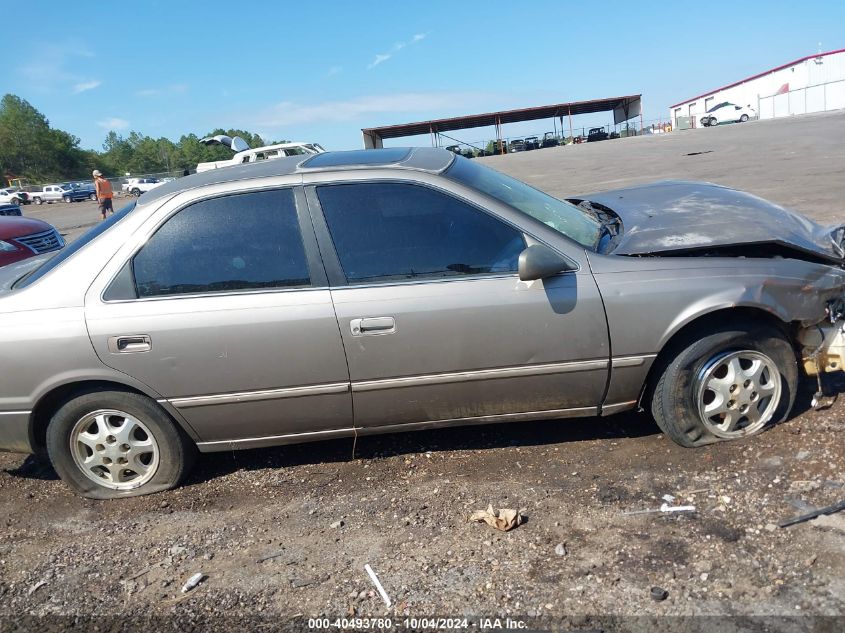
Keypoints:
pixel 93 197
pixel 743 118
pixel 679 399
pixel 67 200
pixel 136 192
pixel 111 444
pixel 38 201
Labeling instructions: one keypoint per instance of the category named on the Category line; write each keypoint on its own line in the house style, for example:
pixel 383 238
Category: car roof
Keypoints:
pixel 428 159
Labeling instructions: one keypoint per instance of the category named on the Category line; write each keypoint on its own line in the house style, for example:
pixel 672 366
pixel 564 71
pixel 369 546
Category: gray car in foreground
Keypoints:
pixel 375 291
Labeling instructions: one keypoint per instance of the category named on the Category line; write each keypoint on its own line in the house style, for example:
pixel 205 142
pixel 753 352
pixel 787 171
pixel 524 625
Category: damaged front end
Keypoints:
pixel 823 344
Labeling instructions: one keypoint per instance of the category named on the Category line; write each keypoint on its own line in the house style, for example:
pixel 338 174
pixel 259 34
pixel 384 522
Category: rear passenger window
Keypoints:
pixel 239 242
pixel 396 231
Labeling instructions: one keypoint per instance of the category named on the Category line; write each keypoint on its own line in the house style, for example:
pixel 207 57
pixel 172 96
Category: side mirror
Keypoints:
pixel 539 261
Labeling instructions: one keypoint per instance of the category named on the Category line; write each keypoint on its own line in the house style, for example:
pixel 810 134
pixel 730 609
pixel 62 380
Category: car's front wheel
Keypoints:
pixel 136 192
pixel 93 196
pixel 743 118
pixel 37 201
pixel 66 199
pixel 725 384
pixel 109 444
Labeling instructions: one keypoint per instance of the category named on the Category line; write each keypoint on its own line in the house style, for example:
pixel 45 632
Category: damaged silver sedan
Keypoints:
pixel 352 293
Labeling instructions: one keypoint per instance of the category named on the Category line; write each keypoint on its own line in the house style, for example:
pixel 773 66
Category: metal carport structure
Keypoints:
pixel 623 108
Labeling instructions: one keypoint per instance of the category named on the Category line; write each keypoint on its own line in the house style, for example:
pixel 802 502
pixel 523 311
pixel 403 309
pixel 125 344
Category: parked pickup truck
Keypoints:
pixel 55 193
pixel 137 186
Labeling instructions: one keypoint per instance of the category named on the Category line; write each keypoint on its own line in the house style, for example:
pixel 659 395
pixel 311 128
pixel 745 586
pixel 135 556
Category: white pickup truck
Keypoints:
pixel 137 186
pixel 56 193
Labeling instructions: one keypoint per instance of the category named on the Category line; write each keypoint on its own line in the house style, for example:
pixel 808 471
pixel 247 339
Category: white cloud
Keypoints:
pixel 47 70
pixel 380 58
pixel 288 113
pixel 86 85
pixel 113 124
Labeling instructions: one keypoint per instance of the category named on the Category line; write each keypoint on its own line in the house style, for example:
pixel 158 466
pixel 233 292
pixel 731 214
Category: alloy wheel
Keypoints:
pixel 737 393
pixel 114 449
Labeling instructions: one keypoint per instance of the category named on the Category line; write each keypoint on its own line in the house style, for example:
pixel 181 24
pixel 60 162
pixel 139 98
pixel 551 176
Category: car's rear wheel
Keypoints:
pixel 66 199
pixel 136 192
pixel 109 444
pixel 93 196
pixel 38 201
pixel 725 383
pixel 743 118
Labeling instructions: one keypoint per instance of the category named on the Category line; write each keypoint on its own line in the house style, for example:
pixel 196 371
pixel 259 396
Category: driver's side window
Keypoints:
pixel 398 231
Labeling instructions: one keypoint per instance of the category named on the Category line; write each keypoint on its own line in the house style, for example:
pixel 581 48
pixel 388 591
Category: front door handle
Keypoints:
pixel 130 344
pixel 372 325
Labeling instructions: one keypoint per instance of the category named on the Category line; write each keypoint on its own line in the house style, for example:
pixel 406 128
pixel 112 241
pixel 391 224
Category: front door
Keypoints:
pixel 221 313
pixel 436 324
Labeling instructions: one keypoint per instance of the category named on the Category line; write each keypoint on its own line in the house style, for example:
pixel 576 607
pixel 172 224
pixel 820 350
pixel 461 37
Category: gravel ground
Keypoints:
pixel 285 533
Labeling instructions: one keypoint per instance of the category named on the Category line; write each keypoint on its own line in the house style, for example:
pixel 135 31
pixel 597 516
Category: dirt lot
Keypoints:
pixel 284 533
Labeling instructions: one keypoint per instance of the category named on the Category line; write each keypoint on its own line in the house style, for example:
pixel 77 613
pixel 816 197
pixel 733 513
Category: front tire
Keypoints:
pixel 67 200
pixel 93 197
pixel 136 192
pixel 111 444
pixel 725 383
pixel 743 118
pixel 38 201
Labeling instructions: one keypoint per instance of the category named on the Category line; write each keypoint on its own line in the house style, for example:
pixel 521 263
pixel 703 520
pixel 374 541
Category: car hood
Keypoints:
pixel 15 226
pixel 11 273
pixel 674 216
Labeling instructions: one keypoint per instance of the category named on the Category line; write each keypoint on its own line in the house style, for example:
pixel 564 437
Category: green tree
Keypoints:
pixel 30 148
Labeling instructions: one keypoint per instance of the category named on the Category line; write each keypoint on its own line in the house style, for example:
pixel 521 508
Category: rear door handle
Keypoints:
pixel 372 325
pixel 130 344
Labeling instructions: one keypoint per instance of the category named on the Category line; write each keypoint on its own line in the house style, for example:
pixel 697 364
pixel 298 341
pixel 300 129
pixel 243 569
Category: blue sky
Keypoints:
pixel 320 71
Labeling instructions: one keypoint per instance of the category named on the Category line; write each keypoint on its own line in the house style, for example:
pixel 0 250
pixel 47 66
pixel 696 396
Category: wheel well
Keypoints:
pixel 680 339
pixel 53 400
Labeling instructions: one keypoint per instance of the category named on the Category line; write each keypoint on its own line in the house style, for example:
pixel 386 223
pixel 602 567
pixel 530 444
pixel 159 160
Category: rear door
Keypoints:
pixel 225 312
pixel 437 325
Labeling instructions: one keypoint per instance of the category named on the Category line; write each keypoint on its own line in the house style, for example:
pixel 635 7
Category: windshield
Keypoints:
pixel 75 246
pixel 563 217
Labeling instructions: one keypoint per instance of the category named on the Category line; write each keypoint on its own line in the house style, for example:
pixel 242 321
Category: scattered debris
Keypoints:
pixel 664 508
pixel 270 556
pixel 145 570
pixel 376 582
pixel 296 583
pixel 836 507
pixel 193 581
pixel 560 549
pixel 659 594
pixel 668 498
pixel 804 486
pixel 337 524
pixel 503 519
pixel 833 522
pixel 36 587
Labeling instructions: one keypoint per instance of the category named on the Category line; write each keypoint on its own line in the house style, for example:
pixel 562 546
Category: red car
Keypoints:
pixel 21 238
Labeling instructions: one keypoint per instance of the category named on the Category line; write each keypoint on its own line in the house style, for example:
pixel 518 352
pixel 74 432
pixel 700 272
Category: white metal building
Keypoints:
pixel 815 83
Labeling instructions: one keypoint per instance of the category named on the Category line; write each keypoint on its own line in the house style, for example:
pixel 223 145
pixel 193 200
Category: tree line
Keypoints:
pixel 33 150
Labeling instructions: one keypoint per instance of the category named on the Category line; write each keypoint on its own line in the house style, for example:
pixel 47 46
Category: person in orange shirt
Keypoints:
pixel 104 193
